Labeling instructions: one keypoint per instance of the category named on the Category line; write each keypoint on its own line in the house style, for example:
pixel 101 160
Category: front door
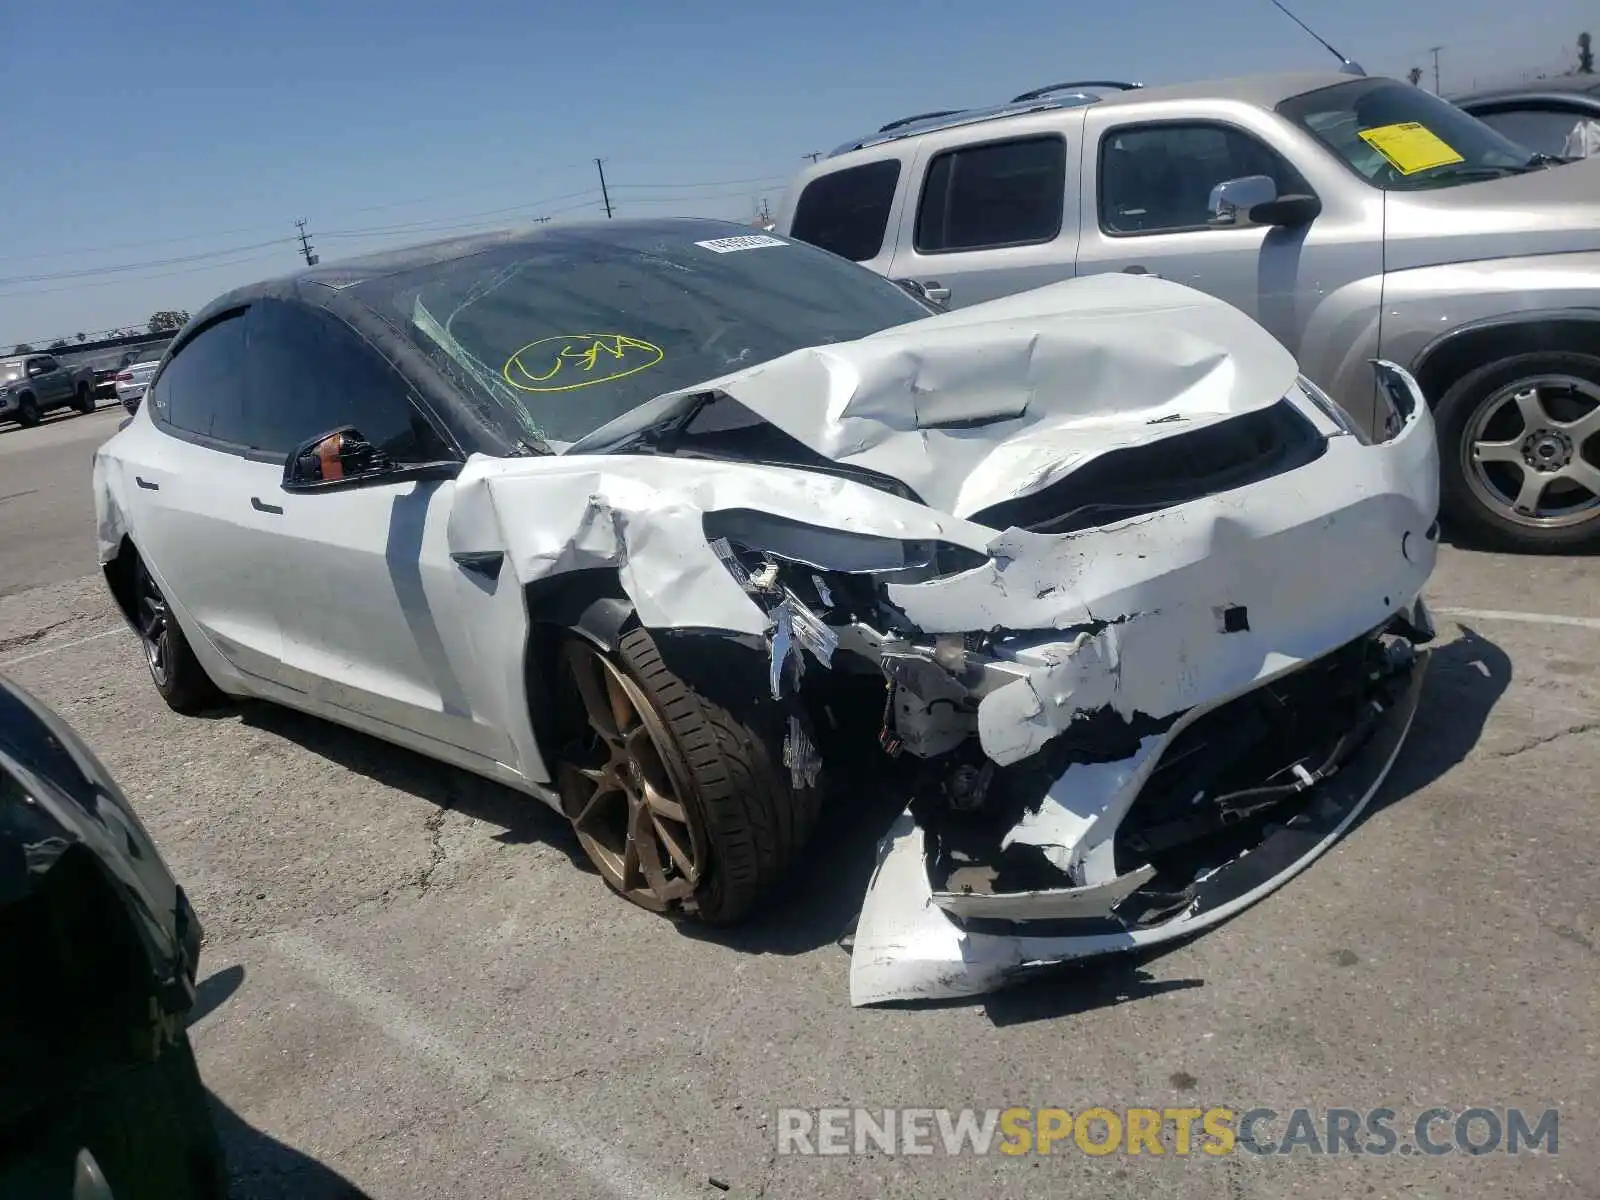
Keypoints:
pixel 1145 199
pixel 50 383
pixel 368 598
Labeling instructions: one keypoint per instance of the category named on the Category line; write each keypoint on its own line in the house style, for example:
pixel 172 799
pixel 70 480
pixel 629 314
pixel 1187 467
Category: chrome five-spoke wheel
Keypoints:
pixel 1531 448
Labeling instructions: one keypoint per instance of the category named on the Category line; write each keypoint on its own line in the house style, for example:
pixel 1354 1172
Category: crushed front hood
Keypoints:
pixel 1002 399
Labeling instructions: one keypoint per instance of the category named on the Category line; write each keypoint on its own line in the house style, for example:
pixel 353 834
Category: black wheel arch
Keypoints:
pixel 119 576
pixel 1455 354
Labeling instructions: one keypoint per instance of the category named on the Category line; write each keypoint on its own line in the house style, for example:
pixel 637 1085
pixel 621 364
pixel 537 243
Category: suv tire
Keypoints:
pixel 1488 446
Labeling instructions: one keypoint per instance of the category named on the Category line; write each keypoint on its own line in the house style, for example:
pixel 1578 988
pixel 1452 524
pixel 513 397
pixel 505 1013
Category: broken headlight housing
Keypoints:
pixel 757 538
pixel 1330 408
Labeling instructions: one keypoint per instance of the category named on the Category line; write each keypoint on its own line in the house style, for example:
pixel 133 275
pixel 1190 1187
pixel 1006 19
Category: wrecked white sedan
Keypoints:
pixel 662 522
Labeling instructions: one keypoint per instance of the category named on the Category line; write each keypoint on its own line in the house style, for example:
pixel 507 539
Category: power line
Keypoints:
pixel 90 272
pixel 80 285
pixel 708 183
pixel 433 222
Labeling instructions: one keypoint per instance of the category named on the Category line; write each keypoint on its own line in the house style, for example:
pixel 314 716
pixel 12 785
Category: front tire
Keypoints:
pixel 1519 452
pixel 176 672
pixel 678 802
pixel 28 412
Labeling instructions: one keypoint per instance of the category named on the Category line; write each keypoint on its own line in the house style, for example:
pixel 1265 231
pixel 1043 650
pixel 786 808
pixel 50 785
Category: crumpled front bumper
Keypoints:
pixel 1170 617
pixel 911 944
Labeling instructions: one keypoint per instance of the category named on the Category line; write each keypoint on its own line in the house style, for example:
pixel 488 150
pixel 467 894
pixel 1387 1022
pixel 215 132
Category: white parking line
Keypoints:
pixel 615 1172
pixel 1525 618
pixel 93 637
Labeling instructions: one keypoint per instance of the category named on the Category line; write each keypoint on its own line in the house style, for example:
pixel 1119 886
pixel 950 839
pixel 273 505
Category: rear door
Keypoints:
pixel 1146 194
pixel 987 214
pixel 198 519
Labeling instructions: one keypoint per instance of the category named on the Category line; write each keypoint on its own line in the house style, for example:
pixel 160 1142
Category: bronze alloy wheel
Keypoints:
pixel 626 788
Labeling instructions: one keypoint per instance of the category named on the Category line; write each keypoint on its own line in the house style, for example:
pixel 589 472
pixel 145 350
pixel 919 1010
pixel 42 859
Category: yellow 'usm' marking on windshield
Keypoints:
pixel 569 354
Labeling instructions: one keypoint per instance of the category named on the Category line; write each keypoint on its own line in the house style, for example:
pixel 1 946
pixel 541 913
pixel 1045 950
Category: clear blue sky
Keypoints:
pixel 140 136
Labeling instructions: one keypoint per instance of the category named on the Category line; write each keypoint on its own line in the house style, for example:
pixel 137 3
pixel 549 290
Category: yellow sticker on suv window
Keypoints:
pixel 577 360
pixel 1411 147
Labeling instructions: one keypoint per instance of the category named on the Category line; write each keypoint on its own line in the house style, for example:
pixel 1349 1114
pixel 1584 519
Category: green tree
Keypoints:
pixel 1415 75
pixel 22 348
pixel 168 321
pixel 59 344
pixel 83 337
pixel 1585 55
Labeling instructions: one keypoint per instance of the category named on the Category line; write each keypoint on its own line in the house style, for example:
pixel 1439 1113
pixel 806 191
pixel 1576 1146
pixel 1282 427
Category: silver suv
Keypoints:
pixel 1355 218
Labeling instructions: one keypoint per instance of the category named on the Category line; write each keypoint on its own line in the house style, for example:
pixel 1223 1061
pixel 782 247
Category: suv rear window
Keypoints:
pixel 997 194
pixel 847 212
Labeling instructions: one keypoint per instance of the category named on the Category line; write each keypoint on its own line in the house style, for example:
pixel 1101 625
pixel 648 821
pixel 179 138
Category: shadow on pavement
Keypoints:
pixel 1460 539
pixel 1466 679
pixel 260 1167
pixel 213 992
pixel 521 818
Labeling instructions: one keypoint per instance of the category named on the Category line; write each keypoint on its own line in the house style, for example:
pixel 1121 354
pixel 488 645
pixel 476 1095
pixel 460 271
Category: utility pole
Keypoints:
pixel 604 195
pixel 305 244
pixel 1434 50
pixel 764 217
pixel 813 156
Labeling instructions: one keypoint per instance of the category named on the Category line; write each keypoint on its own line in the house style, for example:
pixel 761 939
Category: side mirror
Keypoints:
pixel 1232 197
pixel 933 295
pixel 1287 211
pixel 342 458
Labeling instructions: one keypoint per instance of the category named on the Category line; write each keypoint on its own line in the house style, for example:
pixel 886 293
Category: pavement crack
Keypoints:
pixel 434 824
pixel 27 639
pixel 1585 727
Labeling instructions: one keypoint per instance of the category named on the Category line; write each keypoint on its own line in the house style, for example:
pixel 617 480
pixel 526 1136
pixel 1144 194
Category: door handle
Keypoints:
pixel 480 562
pixel 146 484
pixel 936 290
pixel 1138 270
pixel 257 504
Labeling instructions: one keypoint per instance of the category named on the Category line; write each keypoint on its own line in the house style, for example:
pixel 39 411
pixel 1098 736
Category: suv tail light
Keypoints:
pixel 125 377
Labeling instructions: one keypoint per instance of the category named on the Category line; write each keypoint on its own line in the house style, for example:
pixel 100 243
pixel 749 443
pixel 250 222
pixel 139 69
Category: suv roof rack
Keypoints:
pixel 1041 93
pixel 1038 100
pixel 927 116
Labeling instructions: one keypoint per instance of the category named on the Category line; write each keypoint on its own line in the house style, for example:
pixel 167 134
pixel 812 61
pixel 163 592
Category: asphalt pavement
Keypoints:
pixel 414 987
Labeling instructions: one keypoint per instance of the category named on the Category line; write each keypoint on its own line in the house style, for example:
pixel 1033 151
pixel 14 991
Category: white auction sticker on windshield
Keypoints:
pixel 749 241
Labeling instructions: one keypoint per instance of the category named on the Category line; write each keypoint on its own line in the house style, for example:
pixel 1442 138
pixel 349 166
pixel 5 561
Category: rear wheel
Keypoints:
pixel 84 402
pixel 678 802
pixel 176 672
pixel 28 411
pixel 1520 452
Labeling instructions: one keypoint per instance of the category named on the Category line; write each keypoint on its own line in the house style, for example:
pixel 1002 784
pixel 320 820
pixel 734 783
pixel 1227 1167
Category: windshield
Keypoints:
pixel 562 331
pixel 1401 138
